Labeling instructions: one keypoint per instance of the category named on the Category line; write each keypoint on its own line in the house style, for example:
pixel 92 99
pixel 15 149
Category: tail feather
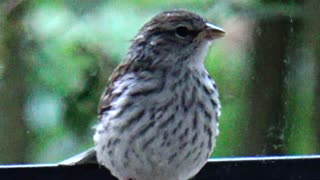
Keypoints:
pixel 86 157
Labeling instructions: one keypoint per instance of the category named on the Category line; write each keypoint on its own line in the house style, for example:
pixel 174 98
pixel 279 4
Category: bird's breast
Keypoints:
pixel 160 123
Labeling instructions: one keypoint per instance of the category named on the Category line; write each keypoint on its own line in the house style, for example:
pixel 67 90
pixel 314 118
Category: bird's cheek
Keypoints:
pixel 203 37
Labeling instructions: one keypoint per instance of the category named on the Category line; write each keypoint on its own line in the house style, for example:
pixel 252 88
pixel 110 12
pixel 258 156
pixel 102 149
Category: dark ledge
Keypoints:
pixel 284 167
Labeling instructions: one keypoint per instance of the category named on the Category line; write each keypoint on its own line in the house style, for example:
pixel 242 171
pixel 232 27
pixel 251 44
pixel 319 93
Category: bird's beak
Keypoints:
pixel 213 32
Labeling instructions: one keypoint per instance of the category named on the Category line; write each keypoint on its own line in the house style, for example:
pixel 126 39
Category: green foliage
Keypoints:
pixel 73 46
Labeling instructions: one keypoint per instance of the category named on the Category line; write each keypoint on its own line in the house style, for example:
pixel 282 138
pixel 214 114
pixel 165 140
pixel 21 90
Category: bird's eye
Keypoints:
pixel 182 31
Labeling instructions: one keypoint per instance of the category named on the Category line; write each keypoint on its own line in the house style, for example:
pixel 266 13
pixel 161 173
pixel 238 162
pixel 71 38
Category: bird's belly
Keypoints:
pixel 163 135
pixel 174 144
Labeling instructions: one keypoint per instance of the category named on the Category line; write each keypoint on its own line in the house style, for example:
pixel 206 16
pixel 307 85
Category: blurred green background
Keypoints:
pixel 56 56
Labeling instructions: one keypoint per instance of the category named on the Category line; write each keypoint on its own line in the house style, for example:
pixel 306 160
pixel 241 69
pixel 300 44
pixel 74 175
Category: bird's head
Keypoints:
pixel 173 37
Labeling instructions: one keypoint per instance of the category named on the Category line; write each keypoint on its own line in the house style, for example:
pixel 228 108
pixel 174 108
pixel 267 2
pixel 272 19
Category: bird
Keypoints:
pixel 158 116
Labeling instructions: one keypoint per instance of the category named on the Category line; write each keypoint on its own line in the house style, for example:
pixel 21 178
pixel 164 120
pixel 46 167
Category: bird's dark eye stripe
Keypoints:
pixel 173 32
pixel 190 33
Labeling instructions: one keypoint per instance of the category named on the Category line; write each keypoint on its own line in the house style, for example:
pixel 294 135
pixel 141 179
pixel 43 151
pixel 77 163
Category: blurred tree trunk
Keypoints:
pixel 313 37
pixel 268 88
pixel 267 106
pixel 12 86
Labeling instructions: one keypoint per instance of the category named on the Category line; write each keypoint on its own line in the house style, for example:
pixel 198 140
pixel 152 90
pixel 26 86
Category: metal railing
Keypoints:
pixel 282 167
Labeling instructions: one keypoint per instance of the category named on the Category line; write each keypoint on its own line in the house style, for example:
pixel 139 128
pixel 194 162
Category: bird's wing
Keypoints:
pixel 108 94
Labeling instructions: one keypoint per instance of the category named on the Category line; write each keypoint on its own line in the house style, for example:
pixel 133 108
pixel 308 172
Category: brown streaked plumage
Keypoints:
pixel 159 112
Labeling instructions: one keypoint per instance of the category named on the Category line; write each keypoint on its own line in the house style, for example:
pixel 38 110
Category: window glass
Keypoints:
pixel 56 57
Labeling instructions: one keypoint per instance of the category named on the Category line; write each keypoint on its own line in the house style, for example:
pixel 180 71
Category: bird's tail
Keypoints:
pixel 86 157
